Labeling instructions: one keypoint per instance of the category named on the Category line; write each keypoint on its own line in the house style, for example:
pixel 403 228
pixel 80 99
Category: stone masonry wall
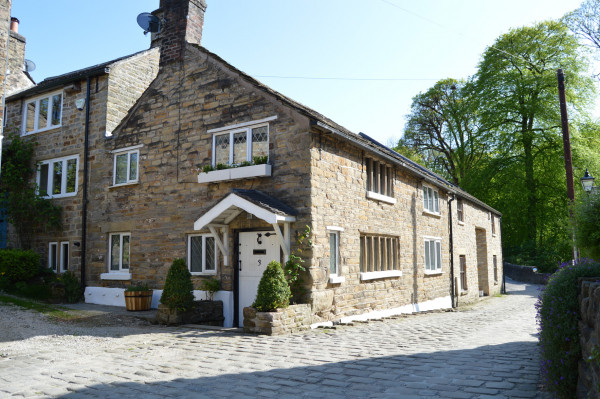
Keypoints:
pixel 284 321
pixel 68 140
pixel 474 247
pixel 338 174
pixel 4 32
pixel 16 79
pixel 129 78
pixel 170 123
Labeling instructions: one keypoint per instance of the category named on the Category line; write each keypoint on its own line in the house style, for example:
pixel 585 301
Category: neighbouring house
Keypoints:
pixel 136 149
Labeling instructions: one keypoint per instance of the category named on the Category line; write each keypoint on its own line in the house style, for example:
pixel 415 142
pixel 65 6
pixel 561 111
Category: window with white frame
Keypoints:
pixel 247 144
pixel 493 225
pixel 430 200
pixel 495 261
pixel 433 255
pixel 58 177
pixel 380 178
pixel 460 210
pixel 42 113
pixel 126 166
pixel 64 256
pixel 118 252
pixel 202 254
pixel 379 253
pixel 53 256
pixel 334 253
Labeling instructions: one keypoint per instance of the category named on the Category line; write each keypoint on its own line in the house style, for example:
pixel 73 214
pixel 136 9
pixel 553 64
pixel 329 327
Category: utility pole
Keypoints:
pixel 567 150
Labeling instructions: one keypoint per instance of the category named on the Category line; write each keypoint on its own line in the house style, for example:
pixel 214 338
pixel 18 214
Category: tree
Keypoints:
pixel 516 82
pixel 588 225
pixel 27 211
pixel 585 22
pixel 445 127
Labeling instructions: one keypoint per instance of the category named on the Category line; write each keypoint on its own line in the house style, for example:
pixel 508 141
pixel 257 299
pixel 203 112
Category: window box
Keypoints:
pixel 115 276
pixel 244 172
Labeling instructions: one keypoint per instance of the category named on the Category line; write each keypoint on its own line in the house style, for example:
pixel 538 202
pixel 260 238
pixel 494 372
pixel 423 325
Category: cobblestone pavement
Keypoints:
pixel 486 350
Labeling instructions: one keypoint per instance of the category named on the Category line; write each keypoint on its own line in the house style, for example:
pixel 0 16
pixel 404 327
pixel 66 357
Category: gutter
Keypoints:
pixel 85 183
pixel 452 288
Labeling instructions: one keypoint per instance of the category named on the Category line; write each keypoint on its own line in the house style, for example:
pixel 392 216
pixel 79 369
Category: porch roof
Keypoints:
pixel 257 203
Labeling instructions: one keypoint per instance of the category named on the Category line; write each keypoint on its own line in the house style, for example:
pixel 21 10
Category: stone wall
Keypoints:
pixel 4 32
pixel 589 335
pixel 525 274
pixel 284 321
pixel 208 313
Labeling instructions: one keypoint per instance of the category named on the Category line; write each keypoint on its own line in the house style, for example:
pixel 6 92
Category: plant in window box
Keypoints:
pixel 138 297
pixel 260 160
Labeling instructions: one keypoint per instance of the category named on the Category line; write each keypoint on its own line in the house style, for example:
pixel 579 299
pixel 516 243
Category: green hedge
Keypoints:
pixel 558 318
pixel 18 265
pixel 178 291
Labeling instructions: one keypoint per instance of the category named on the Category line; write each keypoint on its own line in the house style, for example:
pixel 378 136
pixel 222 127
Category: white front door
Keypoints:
pixel 257 249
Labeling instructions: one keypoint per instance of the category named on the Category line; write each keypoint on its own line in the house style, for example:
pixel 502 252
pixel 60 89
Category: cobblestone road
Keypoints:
pixel 487 350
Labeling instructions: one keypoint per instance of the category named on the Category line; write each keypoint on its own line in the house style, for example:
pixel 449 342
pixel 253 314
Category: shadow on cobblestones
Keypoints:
pixel 499 371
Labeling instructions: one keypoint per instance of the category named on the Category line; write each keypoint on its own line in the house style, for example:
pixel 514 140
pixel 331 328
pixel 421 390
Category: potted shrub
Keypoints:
pixel 211 285
pixel 273 289
pixel 138 297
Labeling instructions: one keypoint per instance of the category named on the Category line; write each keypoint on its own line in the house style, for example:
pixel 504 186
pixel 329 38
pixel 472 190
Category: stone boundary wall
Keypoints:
pixel 208 313
pixel 284 321
pixel 525 274
pixel 589 337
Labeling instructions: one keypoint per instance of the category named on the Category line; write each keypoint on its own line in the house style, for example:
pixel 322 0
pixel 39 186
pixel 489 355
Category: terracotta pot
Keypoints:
pixel 138 300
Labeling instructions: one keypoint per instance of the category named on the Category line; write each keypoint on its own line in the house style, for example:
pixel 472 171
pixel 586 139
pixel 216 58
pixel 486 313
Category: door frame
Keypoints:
pixel 236 267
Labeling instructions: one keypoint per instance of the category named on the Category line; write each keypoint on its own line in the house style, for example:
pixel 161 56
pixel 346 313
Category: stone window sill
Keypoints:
pixel 337 279
pixel 380 197
pixel 376 275
pixel 244 172
pixel 429 213
pixel 211 273
pixel 115 276
pixel 135 183
pixel 461 223
pixel 433 272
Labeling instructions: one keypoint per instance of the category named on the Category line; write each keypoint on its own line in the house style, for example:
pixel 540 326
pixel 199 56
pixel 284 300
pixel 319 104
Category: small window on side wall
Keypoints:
pixel 126 167
pixel 202 254
pixel 64 256
pixel 460 210
pixel 53 256
pixel 118 252
pixel 334 253
pixel 493 219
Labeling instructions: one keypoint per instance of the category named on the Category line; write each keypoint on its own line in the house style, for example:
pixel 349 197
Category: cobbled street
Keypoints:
pixel 485 350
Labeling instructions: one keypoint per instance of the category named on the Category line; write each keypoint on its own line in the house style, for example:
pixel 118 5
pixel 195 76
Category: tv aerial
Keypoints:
pixel 149 23
pixel 28 66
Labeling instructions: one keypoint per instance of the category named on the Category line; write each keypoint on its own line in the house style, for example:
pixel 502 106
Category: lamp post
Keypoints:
pixel 587 182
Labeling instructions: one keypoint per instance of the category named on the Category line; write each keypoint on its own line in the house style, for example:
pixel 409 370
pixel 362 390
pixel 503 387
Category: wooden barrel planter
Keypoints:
pixel 138 300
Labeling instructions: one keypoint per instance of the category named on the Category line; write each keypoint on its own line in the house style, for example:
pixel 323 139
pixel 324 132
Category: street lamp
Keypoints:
pixel 587 182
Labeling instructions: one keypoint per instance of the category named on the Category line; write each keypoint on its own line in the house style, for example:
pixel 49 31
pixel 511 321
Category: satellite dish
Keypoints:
pixel 149 22
pixel 28 66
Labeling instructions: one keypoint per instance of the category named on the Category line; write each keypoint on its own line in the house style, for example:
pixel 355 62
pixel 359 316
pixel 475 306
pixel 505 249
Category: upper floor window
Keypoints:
pixel 202 254
pixel 380 178
pixel 241 145
pixel 42 113
pixel 58 177
pixel 460 210
pixel 493 225
pixel 126 165
pixel 433 255
pixel 431 200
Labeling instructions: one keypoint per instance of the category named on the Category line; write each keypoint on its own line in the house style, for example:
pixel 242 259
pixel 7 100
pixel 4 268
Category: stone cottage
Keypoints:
pixel 139 150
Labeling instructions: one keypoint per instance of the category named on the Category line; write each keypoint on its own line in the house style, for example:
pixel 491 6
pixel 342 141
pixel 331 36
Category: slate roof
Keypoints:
pixel 265 201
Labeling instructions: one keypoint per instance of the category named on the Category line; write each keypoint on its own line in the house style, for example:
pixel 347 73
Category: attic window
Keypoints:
pixel 42 113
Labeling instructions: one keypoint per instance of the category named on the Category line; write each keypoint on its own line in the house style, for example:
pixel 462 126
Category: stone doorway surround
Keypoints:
pixel 260 205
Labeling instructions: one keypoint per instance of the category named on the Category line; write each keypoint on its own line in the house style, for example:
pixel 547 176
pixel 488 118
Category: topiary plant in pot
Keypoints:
pixel 178 290
pixel 273 289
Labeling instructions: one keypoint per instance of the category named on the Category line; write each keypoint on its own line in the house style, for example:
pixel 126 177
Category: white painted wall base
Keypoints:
pixel 115 297
pixel 437 303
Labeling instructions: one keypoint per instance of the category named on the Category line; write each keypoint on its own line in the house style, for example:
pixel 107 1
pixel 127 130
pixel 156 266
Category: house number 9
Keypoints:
pixel 259 262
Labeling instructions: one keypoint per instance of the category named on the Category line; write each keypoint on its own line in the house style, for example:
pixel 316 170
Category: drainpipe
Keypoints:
pixel 452 298
pixel 85 184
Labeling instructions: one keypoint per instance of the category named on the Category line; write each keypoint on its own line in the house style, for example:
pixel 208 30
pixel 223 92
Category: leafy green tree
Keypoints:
pixel 27 211
pixel 446 128
pixel 588 225
pixel 517 84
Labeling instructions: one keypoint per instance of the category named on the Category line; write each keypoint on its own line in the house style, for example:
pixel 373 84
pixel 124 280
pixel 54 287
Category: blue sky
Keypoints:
pixel 351 43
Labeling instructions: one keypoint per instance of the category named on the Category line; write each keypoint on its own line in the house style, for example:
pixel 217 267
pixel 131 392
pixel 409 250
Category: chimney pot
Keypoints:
pixel 14 24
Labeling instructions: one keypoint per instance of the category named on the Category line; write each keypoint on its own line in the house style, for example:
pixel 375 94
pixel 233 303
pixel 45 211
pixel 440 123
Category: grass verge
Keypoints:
pixel 54 311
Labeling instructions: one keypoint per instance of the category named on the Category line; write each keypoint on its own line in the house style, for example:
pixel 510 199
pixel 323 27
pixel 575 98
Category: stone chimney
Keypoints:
pixel 181 22
pixel 16 78
pixel 14 24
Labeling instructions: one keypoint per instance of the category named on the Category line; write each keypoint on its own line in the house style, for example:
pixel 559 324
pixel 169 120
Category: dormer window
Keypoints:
pixel 42 113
